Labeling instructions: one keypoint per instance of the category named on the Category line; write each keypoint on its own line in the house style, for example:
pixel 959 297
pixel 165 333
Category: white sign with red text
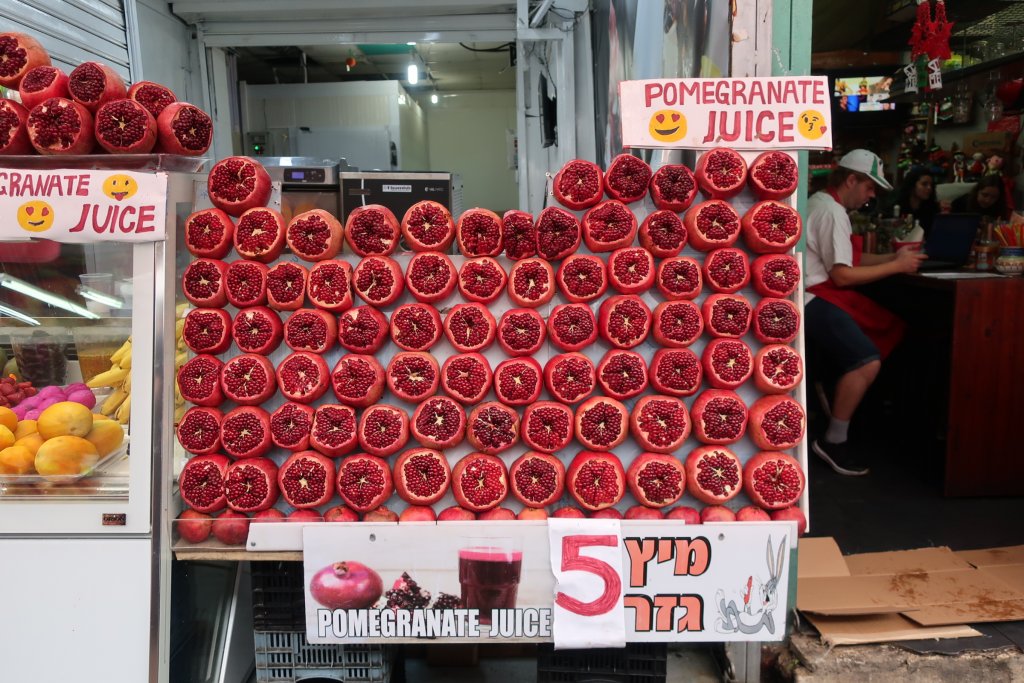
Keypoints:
pixel 586 560
pixel 80 206
pixel 786 112
pixel 494 581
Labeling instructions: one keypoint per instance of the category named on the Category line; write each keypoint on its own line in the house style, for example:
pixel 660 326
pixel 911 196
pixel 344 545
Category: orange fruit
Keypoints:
pixel 64 455
pixel 16 460
pixel 32 442
pixel 106 436
pixel 8 418
pixel 66 418
pixel 6 437
pixel 25 427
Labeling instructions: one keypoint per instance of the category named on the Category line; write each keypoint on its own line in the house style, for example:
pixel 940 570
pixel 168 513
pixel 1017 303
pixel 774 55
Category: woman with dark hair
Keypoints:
pixel 916 197
pixel 987 197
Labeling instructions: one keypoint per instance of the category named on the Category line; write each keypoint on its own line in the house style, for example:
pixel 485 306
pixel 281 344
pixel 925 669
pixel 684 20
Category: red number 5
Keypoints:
pixel 571 561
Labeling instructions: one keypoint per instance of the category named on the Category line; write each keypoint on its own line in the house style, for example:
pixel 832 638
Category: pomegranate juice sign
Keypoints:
pixel 82 206
pixel 792 112
pixel 472 582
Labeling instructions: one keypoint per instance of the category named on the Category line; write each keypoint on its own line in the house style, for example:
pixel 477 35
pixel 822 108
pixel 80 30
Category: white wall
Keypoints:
pixel 353 120
pixel 169 54
pixel 413 150
pixel 467 135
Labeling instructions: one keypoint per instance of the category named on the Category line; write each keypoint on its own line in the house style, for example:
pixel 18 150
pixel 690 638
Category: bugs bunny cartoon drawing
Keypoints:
pixel 758 610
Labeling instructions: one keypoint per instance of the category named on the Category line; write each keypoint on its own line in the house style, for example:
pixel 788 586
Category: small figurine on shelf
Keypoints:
pixel 994 165
pixel 938 161
pixel 959 167
pixel 977 167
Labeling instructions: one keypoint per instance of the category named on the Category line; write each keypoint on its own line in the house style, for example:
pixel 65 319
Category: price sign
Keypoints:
pixel 67 205
pixel 586 560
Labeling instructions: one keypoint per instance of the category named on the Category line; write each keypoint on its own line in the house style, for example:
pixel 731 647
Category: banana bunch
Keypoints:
pixel 119 377
pixel 180 358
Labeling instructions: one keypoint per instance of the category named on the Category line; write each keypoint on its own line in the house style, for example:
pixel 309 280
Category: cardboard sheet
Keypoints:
pixel 907 594
pixel 873 628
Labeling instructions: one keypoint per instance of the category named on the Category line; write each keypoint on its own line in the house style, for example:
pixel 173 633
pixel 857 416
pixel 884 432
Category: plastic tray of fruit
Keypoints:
pixel 65 443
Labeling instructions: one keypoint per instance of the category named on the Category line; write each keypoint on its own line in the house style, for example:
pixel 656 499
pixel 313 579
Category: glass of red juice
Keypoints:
pixel 489 576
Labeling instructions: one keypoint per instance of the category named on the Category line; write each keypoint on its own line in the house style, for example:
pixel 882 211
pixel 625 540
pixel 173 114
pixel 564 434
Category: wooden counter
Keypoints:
pixel 978 325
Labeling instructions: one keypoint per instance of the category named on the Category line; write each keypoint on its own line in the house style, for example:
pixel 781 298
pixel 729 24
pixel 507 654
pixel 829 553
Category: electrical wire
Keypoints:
pixel 504 47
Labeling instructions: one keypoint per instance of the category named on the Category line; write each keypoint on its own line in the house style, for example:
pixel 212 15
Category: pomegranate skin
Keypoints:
pixel 346 585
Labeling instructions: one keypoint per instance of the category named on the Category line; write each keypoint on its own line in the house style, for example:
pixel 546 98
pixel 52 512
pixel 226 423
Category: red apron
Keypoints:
pixel 881 326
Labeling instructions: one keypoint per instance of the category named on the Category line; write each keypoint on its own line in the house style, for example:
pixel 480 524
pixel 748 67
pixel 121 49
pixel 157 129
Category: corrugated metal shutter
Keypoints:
pixel 73 31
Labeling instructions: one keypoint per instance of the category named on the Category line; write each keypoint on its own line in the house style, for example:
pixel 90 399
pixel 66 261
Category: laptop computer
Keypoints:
pixel 949 241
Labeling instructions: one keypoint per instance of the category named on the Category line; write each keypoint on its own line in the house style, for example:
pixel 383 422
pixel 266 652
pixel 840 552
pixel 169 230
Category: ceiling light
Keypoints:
pixel 18 315
pixel 54 300
pixel 411 42
pixel 433 98
pixel 414 74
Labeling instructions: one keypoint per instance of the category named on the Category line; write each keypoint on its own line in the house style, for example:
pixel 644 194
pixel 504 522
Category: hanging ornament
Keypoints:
pixel 920 32
pixel 939 31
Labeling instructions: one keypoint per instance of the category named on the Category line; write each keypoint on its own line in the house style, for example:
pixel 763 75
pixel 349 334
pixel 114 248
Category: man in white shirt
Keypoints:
pixel 850 330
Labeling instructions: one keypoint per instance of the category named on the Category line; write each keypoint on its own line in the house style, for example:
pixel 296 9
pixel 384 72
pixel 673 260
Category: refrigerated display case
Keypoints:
pixel 87 329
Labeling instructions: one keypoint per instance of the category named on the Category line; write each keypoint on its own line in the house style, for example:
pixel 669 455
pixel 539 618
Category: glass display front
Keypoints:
pixel 66 355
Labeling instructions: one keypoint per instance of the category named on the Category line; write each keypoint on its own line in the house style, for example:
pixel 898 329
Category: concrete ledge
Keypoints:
pixel 808 661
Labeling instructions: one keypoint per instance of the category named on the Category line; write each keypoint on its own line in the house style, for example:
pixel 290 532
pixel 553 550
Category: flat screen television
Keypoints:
pixel 862 94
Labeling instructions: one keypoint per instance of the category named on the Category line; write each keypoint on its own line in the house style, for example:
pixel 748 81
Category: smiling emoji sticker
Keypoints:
pixel 35 216
pixel 811 124
pixel 120 186
pixel 667 125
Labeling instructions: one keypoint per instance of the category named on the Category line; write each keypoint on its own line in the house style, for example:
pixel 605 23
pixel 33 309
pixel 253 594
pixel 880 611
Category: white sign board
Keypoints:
pixel 485 581
pixel 791 112
pixel 78 206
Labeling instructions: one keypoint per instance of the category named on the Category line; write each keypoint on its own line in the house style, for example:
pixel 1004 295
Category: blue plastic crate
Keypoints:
pixel 286 657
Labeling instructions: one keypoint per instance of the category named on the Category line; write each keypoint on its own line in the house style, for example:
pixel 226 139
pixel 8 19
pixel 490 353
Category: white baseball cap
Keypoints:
pixel 868 163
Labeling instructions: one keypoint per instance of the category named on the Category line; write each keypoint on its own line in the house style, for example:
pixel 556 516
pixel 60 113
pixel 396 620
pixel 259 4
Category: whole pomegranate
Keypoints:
pixel 346 585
